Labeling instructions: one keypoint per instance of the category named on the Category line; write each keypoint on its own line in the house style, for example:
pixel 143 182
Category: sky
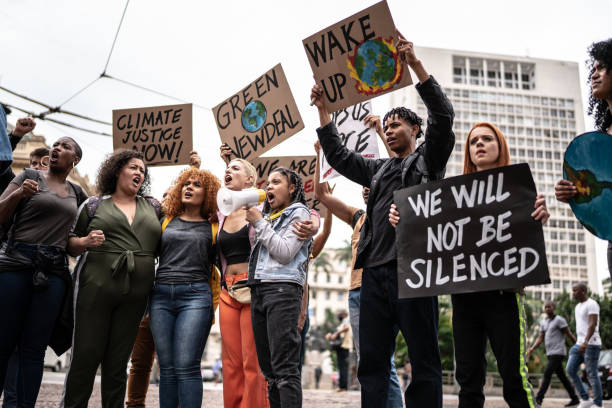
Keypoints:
pixel 202 52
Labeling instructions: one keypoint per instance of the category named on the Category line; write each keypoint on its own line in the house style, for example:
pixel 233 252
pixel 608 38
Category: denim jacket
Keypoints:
pixel 278 255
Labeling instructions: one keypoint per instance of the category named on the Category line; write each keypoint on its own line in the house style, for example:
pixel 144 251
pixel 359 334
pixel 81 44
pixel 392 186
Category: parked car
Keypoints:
pixel 605 372
pixel 54 362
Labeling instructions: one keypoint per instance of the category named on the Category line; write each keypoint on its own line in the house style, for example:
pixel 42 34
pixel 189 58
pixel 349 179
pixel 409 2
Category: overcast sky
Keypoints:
pixel 203 51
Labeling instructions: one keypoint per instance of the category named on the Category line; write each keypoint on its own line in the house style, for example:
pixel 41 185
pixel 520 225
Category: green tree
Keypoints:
pixel 345 253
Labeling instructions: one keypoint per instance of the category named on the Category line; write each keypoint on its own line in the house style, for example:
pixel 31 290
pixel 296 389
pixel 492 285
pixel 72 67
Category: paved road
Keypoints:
pixel 51 391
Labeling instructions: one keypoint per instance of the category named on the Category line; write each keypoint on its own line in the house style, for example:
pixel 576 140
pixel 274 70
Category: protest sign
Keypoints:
pixel 355 59
pixel 354 134
pixel 304 166
pixel 260 116
pixel 162 133
pixel 470 233
pixel 587 164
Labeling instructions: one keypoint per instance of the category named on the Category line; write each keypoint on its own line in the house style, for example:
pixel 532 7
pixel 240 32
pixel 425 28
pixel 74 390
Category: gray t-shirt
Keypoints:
pixel 45 218
pixel 554 337
pixel 187 252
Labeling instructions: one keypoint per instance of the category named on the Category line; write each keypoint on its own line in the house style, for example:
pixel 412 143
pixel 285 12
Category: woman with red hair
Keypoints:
pixel 182 301
pixel 497 315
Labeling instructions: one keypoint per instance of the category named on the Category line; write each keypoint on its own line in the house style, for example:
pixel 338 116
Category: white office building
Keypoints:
pixel 537 104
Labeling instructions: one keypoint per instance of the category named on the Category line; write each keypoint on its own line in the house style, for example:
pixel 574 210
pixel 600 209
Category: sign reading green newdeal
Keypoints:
pixel 355 59
pixel 588 164
pixel 470 233
pixel 260 116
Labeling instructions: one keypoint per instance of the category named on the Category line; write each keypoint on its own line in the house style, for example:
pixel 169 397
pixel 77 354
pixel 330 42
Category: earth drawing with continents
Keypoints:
pixel 253 116
pixel 588 164
pixel 375 66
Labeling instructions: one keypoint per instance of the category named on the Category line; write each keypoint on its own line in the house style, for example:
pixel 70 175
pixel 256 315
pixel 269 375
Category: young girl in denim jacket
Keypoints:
pixel 277 272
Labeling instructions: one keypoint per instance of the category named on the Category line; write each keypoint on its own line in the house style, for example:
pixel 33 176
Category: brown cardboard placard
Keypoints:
pixel 259 116
pixel 305 166
pixel 355 59
pixel 162 133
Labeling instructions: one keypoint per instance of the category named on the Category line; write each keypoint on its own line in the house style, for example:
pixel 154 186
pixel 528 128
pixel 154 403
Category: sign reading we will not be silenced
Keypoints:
pixel 260 116
pixel 162 133
pixel 355 135
pixel 470 233
pixel 304 166
pixel 355 59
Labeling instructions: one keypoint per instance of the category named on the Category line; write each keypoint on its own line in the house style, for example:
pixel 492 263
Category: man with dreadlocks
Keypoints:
pixel 277 272
pixel 381 313
pixel 600 106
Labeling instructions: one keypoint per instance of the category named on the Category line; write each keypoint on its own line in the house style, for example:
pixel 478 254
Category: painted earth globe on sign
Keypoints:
pixel 253 116
pixel 587 164
pixel 375 63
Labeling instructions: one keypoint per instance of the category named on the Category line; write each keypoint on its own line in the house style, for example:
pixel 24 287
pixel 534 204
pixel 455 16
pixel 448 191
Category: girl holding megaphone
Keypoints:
pixel 243 383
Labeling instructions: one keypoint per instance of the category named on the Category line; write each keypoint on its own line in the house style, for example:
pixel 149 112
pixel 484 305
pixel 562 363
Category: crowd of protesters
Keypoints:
pixel 151 274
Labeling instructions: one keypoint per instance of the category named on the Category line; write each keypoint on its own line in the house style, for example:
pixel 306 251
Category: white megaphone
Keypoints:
pixel 230 200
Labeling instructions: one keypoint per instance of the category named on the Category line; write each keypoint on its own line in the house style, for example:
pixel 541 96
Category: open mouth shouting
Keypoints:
pixel 136 181
pixel 270 197
pixel 54 156
pixel 227 179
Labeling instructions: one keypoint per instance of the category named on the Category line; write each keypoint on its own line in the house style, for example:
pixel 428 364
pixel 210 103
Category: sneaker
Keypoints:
pixel 573 402
pixel 585 404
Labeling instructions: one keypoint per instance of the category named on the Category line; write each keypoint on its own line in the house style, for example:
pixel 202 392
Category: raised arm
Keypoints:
pixel 375 123
pixel 321 238
pixel 350 164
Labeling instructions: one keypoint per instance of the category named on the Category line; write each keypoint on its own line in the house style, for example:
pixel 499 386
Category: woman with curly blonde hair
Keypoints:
pixel 182 310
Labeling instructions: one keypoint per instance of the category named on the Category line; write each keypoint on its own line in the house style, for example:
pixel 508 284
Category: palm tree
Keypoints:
pixel 345 253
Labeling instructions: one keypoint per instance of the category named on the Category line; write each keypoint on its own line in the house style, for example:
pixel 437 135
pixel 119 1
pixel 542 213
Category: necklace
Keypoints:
pixel 275 215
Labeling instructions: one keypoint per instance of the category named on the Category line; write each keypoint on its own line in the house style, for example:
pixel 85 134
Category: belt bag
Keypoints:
pixel 240 292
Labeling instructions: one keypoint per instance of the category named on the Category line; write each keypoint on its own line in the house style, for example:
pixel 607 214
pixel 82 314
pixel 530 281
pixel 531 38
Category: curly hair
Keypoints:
pixel 106 182
pixel 298 196
pixel 408 116
pixel 173 205
pixel 601 52
pixel 504 154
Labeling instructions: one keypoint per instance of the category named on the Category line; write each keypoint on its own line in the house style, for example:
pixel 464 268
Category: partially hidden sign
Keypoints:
pixel 470 233
pixel 587 164
pixel 355 135
pixel 355 59
pixel 304 166
pixel 162 133
pixel 260 116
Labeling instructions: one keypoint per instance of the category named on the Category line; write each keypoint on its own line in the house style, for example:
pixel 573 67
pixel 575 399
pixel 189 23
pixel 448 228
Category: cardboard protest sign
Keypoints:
pixel 305 166
pixel 162 133
pixel 587 164
pixel 354 134
pixel 470 233
pixel 355 59
pixel 260 116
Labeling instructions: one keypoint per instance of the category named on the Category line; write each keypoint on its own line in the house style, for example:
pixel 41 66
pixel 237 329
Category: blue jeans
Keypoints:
pixel 394 398
pixel 180 318
pixel 591 360
pixel 28 326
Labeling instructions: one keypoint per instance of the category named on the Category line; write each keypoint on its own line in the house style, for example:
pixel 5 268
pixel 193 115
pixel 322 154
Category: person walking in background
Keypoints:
pixel 587 347
pixel 341 342
pixel 552 332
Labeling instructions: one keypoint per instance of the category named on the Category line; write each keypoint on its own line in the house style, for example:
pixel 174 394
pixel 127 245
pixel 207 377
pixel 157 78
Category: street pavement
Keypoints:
pixel 51 393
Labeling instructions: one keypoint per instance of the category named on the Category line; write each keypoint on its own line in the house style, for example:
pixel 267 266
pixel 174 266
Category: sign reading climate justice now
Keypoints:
pixel 162 133
pixel 355 59
pixel 470 233
pixel 305 166
pixel 260 116
pixel 355 135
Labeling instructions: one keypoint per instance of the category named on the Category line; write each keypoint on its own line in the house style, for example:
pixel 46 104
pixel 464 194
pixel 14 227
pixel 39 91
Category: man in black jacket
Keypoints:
pixel 381 312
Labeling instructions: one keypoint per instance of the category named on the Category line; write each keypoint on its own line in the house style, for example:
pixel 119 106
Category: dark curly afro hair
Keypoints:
pixel 408 116
pixel 106 183
pixel 598 108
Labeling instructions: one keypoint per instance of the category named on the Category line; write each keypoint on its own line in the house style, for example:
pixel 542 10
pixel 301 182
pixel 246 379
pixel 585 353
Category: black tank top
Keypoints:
pixel 236 246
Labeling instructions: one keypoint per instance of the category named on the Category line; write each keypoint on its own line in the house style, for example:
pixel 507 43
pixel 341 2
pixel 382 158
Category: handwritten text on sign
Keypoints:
pixel 355 59
pixel 470 233
pixel 304 166
pixel 260 116
pixel 354 134
pixel 162 133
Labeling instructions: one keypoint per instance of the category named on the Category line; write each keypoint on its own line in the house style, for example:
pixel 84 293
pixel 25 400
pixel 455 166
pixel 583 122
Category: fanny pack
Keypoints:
pixel 40 259
pixel 240 292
